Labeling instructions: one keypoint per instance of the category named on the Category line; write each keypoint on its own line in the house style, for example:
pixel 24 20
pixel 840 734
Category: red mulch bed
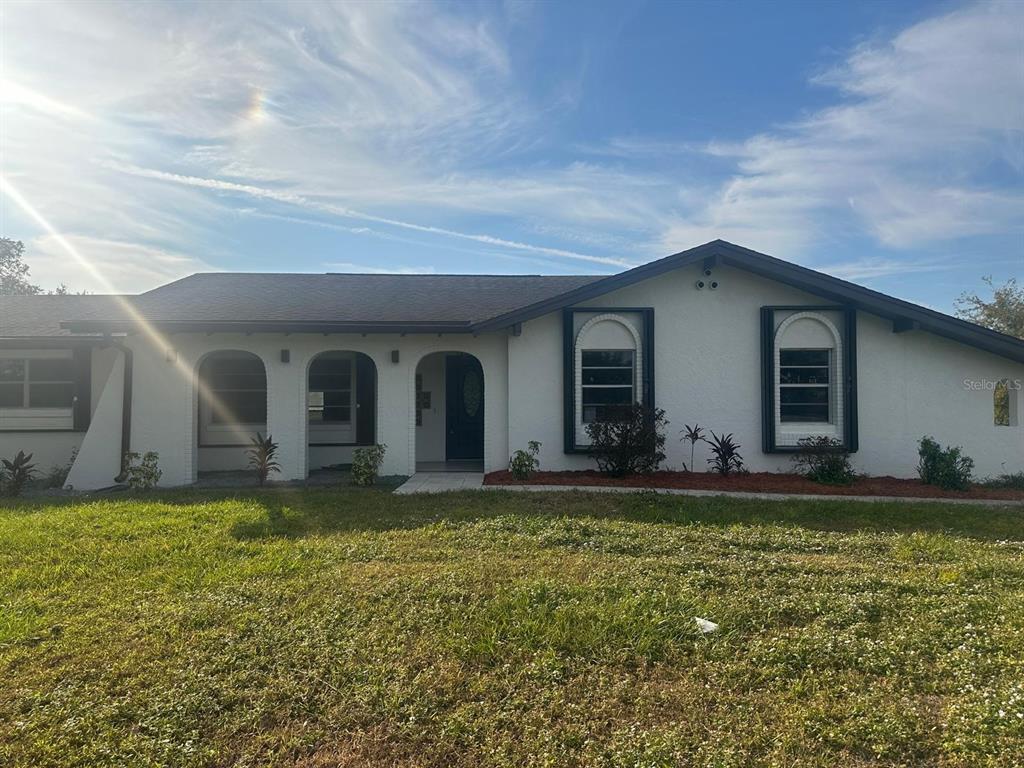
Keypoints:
pixel 758 482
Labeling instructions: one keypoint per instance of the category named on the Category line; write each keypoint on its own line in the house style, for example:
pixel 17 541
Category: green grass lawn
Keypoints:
pixel 352 627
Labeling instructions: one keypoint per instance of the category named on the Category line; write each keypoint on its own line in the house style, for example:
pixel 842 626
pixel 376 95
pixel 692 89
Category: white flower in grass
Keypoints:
pixel 704 625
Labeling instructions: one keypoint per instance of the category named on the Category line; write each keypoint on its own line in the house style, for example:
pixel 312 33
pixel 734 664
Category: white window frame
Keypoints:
pixel 584 386
pixel 788 433
pixel 42 418
pixel 580 345
pixel 828 386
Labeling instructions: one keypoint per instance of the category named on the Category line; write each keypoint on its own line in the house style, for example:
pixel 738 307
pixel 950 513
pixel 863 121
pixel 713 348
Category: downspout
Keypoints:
pixel 126 408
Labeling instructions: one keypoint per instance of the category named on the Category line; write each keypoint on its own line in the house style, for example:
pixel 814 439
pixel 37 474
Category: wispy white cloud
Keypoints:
pixel 905 155
pixel 126 267
pixel 410 122
pixel 292 198
pixel 347 266
pixel 875 267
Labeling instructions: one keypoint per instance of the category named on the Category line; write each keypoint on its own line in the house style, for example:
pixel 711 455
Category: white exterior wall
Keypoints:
pixel 707 360
pixel 432 434
pixel 48 449
pixel 165 398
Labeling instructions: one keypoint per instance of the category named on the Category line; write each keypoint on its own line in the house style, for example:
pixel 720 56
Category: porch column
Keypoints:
pixel 286 415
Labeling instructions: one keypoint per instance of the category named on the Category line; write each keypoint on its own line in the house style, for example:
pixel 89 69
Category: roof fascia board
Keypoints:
pixel 269 327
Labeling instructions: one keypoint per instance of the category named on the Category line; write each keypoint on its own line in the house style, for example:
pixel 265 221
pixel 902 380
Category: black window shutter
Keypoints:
pixel 83 388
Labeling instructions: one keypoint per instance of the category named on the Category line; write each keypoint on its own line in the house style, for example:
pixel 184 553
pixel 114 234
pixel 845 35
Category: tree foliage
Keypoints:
pixel 1004 312
pixel 13 269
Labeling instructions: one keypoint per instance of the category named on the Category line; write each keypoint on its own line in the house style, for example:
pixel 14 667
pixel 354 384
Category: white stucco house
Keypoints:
pixel 458 371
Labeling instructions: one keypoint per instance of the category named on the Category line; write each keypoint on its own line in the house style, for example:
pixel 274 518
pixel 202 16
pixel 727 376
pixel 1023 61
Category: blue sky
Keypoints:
pixel 880 142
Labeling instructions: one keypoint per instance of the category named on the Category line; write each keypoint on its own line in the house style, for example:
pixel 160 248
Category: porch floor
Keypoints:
pixel 468 465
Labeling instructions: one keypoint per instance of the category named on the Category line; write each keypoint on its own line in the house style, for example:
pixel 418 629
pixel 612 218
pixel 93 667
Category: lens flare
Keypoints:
pixel 145 327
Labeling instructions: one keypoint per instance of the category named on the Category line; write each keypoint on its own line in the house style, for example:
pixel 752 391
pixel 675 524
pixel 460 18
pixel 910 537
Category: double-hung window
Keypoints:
pixel 608 382
pixel 805 385
pixel 37 382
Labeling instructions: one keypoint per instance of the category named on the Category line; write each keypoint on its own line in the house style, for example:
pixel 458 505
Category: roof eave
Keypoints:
pixel 317 327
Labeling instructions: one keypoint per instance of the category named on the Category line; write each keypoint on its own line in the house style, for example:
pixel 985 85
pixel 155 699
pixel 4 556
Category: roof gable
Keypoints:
pixel 903 314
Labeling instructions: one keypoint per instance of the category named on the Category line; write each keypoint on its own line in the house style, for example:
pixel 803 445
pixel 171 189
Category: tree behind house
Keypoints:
pixel 1004 312
pixel 13 269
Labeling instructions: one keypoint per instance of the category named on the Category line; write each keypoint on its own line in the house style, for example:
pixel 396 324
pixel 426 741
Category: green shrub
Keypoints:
pixel 145 474
pixel 16 472
pixel 1014 481
pixel 633 444
pixel 725 454
pixel 824 460
pixel 262 457
pixel 58 475
pixel 523 463
pixel 366 463
pixel 945 467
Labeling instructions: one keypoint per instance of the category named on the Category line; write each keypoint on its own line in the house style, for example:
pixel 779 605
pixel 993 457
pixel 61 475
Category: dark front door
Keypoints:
pixel 464 408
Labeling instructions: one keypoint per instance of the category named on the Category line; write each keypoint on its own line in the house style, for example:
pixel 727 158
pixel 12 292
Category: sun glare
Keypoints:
pixel 145 327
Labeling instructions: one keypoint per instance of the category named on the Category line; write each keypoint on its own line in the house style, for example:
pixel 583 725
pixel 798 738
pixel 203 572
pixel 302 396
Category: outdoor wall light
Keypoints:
pixel 394 355
pixel 286 355
pixel 171 355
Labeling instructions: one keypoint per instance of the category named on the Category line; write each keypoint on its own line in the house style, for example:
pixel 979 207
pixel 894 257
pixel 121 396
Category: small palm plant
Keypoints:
pixel 18 471
pixel 694 435
pixel 262 457
pixel 725 454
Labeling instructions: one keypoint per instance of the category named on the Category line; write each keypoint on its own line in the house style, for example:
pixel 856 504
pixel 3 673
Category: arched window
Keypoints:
pixel 808 373
pixel 1004 402
pixel 607 358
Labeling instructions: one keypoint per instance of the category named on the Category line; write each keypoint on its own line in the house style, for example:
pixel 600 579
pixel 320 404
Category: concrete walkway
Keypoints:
pixel 439 482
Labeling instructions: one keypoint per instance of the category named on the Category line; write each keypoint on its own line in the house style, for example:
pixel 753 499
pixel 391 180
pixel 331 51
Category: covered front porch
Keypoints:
pixel 438 402
pixel 342 409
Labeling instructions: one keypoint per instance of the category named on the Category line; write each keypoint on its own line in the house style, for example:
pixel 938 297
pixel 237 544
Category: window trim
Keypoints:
pixel 846 363
pixel 645 350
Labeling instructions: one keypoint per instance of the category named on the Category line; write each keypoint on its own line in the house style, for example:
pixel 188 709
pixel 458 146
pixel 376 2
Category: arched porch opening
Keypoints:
pixel 449 413
pixel 341 407
pixel 231 408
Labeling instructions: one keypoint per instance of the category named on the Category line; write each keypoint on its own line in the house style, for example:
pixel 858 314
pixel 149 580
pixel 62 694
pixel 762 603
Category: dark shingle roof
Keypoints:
pixel 428 303
pixel 41 316
pixel 269 299
pixel 355 298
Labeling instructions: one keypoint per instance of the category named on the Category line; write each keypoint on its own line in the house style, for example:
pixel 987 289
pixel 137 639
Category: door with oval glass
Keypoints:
pixel 464 407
